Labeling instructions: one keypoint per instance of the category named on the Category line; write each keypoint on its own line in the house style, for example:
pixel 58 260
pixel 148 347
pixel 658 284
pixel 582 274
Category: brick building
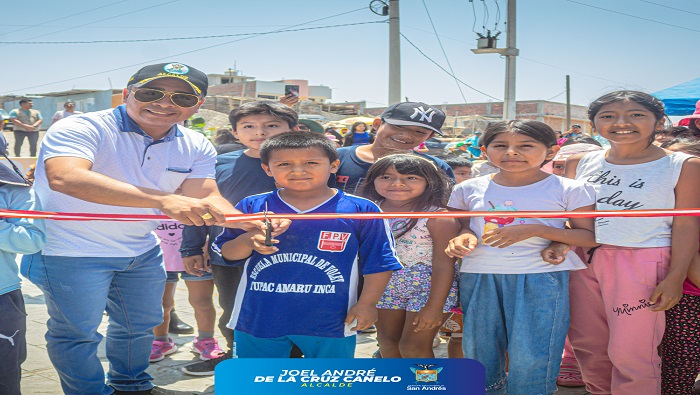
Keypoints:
pixel 235 85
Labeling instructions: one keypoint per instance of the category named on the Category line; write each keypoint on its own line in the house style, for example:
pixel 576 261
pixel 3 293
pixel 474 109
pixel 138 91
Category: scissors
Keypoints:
pixel 268 229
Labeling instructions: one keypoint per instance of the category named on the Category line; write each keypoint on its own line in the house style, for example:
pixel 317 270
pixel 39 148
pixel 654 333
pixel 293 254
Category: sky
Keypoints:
pixel 603 45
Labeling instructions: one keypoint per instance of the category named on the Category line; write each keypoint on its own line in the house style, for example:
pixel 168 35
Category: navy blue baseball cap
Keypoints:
pixel 195 78
pixel 414 114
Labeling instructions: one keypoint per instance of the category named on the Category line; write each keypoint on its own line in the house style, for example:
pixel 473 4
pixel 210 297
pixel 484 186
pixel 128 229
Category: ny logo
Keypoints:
pixel 425 115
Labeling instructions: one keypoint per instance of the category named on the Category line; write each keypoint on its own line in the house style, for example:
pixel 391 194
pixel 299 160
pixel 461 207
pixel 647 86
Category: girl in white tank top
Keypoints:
pixel 618 304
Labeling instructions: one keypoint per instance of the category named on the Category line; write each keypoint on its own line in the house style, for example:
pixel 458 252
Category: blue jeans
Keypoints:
pixel 525 315
pixel 77 292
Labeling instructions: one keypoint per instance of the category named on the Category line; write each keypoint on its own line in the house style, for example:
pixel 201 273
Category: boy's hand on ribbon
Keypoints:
pixel 257 242
pixel 196 265
pixel 509 235
pixel 555 253
pixel 666 295
pixel 428 318
pixel 461 246
pixel 279 226
pixel 365 314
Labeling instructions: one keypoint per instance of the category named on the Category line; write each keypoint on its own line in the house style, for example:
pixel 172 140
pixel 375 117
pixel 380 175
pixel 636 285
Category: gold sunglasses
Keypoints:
pixel 148 95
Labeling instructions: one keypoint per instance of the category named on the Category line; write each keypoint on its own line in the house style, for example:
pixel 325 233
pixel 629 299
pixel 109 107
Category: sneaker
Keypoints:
pixel 377 354
pixel 206 368
pixel 570 374
pixel 436 341
pixel 206 348
pixel 160 349
pixel 371 329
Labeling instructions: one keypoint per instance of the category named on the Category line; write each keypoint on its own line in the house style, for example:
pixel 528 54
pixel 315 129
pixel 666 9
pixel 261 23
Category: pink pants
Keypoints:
pixel 613 333
pixel 568 356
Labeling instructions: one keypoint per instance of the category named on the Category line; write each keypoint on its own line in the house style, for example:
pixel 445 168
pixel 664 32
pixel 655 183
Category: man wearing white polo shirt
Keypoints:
pixel 129 160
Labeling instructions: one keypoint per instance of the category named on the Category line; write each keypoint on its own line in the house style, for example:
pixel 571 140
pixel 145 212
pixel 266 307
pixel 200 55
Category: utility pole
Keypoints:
pixel 394 53
pixel 568 102
pixel 487 44
pixel 510 53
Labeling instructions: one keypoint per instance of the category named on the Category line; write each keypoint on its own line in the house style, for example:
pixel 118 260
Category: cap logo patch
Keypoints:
pixel 425 115
pixel 176 68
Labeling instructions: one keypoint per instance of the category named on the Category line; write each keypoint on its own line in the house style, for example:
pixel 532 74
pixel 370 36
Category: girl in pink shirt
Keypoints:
pixel 200 288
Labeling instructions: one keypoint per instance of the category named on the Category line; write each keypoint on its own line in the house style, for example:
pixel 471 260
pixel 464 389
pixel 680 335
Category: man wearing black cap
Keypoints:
pixel 401 127
pixel 574 131
pixel 130 160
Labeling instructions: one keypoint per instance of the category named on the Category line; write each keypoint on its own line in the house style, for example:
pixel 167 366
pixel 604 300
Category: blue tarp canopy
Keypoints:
pixel 680 99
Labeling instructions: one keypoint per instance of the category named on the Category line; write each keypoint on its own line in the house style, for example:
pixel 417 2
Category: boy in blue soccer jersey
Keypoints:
pixel 238 174
pixel 303 288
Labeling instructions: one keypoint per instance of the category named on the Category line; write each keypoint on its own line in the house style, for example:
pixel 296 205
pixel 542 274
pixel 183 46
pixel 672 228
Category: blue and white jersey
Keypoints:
pixel 308 286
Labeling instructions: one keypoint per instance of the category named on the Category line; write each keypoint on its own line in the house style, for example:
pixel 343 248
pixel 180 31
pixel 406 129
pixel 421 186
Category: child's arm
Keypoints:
pixel 555 253
pixel 581 233
pixel 442 230
pixel 21 235
pixel 465 242
pixel 194 238
pixel 571 164
pixel 365 310
pixel 242 246
pixel 684 238
pixel 378 260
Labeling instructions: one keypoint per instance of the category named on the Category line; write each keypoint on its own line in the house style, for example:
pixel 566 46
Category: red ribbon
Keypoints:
pixel 694 212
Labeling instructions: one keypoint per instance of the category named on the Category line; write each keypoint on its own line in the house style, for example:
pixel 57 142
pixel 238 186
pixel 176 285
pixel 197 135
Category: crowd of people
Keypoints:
pixel 609 303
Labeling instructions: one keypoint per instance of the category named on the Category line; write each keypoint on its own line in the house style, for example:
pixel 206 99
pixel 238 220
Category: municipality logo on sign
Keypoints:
pixel 426 378
pixel 176 68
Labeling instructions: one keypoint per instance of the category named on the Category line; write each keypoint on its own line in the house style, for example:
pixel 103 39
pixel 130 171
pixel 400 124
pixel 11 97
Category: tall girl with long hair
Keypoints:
pixel 618 304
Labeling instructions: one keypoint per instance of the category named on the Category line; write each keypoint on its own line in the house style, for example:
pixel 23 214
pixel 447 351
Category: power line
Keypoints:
pixel 572 72
pixel 524 58
pixel 102 20
pixel 151 27
pixel 443 50
pixel 634 16
pixel 446 71
pixel 184 53
pixel 182 38
pixel 557 95
pixel 474 12
pixel 61 18
pixel 498 16
pixel 669 7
